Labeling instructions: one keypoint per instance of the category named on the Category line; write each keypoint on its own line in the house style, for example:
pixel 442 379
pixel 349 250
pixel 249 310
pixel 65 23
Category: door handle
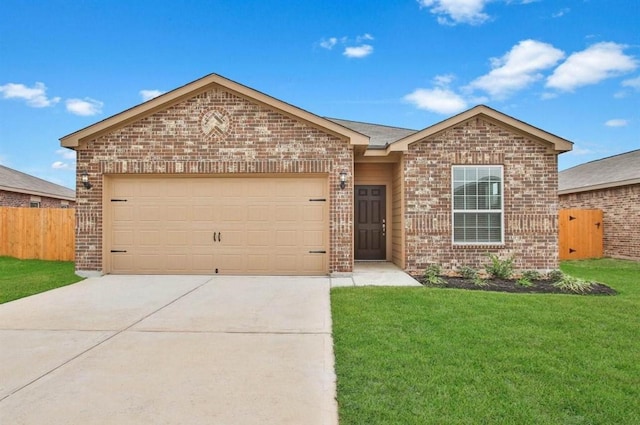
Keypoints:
pixel 214 236
pixel 219 237
pixel 384 227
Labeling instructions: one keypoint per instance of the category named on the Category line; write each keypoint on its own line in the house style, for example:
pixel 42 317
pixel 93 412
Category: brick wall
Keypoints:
pixel 179 140
pixel 621 216
pixel 22 200
pixel 530 198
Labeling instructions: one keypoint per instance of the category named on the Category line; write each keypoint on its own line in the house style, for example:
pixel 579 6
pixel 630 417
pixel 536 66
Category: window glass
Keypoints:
pixel 477 204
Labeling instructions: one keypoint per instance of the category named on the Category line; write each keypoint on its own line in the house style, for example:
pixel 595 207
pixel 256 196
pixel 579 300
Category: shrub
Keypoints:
pixel 478 281
pixel 531 275
pixel 500 269
pixel 555 276
pixel 468 272
pixel 432 275
pixel 524 282
pixel 574 284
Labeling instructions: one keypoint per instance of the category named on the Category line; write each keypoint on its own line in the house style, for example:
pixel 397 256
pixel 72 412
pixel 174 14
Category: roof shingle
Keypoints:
pixel 612 171
pixel 16 181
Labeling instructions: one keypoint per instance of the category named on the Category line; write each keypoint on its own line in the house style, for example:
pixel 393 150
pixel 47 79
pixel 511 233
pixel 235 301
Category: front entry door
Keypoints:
pixel 370 223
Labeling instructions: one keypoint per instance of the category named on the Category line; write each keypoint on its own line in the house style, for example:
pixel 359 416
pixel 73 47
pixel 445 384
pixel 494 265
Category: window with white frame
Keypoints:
pixel 477 204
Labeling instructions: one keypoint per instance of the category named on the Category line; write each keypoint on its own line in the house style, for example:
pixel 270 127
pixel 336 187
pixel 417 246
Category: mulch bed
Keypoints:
pixel 539 286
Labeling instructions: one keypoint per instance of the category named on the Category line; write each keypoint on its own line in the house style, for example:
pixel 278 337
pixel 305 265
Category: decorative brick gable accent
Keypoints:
pixel 530 198
pixel 621 216
pixel 215 132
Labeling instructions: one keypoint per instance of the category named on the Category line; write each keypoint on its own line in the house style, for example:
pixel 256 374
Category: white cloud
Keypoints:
pixel 358 51
pixel 633 83
pixel 518 68
pixel 66 153
pixel 592 65
pixel 328 43
pixel 68 162
pixel 59 165
pixel 361 50
pixel 617 122
pixel 452 12
pixel 561 12
pixel 84 107
pixel 35 96
pixel 364 37
pixel 149 94
pixel 439 99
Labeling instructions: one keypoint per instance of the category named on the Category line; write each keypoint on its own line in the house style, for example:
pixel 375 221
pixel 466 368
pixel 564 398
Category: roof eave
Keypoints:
pixel 135 113
pixel 608 185
pixel 37 193
pixel 558 144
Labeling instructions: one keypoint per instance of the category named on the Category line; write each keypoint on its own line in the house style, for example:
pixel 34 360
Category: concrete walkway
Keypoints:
pixel 375 273
pixel 170 350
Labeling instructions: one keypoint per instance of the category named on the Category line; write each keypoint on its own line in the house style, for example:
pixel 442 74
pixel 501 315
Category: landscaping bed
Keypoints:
pixel 511 285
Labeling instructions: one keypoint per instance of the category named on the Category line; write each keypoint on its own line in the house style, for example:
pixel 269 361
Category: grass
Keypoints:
pixel 21 278
pixel 448 356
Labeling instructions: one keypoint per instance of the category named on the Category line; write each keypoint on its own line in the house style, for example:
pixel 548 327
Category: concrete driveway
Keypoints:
pixel 170 350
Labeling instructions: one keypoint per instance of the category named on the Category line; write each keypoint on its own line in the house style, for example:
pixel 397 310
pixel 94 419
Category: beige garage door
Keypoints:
pixel 235 225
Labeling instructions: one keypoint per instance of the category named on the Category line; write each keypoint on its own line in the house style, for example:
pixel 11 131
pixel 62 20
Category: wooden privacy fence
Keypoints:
pixel 581 234
pixel 40 233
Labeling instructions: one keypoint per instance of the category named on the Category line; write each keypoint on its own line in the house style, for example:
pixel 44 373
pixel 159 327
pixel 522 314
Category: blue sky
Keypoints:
pixel 569 67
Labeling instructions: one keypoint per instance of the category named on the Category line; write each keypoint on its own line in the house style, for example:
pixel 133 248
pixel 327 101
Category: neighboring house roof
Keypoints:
pixel 557 144
pixel 380 136
pixel 617 170
pixel 15 181
pixel 201 85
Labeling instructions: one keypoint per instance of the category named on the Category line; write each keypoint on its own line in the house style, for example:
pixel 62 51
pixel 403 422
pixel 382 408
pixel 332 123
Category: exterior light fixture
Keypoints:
pixel 343 179
pixel 84 177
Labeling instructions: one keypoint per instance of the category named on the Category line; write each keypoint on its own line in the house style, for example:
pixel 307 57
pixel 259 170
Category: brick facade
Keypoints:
pixel 177 141
pixel 621 216
pixel 23 200
pixel 530 198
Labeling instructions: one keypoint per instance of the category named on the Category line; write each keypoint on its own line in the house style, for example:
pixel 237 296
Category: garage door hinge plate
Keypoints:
pixel 118 250
pixel 318 200
pixel 118 200
pixel 318 252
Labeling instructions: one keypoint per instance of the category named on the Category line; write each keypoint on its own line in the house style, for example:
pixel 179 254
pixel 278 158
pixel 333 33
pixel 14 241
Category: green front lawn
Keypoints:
pixel 21 278
pixel 448 356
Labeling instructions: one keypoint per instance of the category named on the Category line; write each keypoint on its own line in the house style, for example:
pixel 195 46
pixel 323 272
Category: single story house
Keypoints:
pixel 612 185
pixel 18 189
pixel 216 177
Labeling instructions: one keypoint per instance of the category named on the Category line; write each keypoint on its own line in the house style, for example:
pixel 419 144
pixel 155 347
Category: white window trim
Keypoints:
pixel 501 210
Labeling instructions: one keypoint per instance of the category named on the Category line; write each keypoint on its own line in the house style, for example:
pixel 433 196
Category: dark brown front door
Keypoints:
pixel 370 223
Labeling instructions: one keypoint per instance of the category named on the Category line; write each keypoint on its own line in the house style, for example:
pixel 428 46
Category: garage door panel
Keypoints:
pixel 313 238
pixel 150 238
pixel 314 213
pixel 266 225
pixel 261 238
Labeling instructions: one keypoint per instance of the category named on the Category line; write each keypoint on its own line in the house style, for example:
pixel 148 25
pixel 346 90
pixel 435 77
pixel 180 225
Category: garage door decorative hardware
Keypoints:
pixel 219 237
pixel 118 250
pixel 318 200
pixel 318 252
pixel 118 200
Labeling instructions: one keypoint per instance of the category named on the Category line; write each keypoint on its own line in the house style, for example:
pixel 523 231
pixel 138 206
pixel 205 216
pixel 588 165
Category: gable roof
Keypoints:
pixel 15 181
pixel 558 144
pixel 164 101
pixel 380 136
pixel 617 170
